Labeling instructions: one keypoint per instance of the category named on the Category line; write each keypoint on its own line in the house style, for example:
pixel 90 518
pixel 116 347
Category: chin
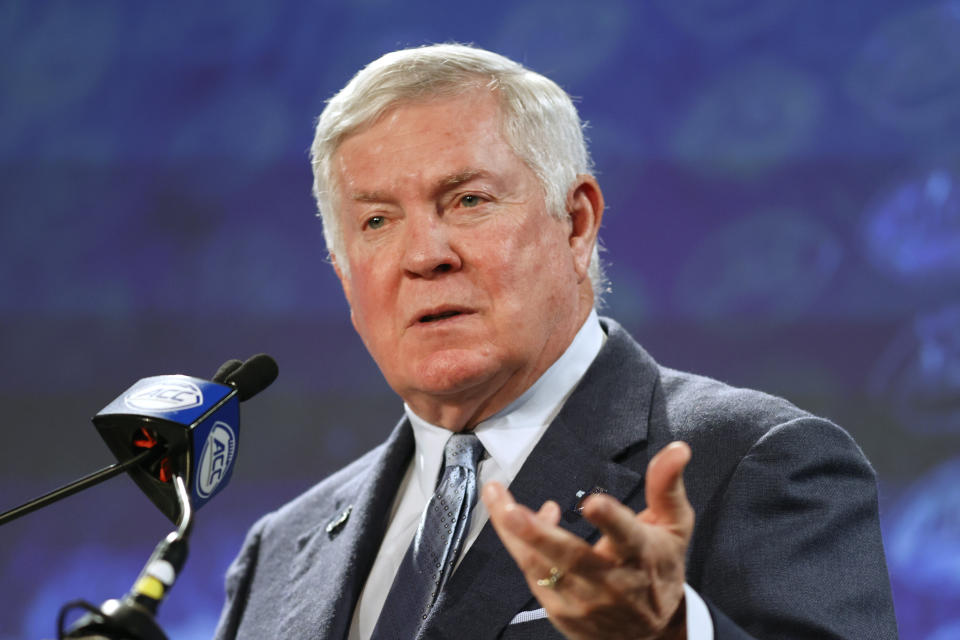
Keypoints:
pixel 452 371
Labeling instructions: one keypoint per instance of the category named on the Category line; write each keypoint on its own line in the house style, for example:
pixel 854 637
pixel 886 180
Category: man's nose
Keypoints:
pixel 427 251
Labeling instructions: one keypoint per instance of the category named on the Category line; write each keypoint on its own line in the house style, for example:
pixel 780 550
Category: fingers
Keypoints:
pixel 533 539
pixel 667 503
pixel 623 530
pixel 520 524
pixel 514 516
pixel 627 534
pixel 549 513
pixel 631 578
pixel 506 514
pixel 623 538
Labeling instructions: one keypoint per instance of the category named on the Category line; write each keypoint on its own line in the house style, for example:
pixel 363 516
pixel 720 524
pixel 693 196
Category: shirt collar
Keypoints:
pixel 510 434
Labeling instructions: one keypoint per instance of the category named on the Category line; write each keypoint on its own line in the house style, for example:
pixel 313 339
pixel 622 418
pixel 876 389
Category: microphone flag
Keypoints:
pixel 195 420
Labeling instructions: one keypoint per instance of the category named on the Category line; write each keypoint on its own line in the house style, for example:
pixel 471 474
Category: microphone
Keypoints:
pixel 155 436
pixel 196 422
pixel 250 377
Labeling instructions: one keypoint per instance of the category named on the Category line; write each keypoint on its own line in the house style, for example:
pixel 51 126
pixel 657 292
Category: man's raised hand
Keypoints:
pixel 629 584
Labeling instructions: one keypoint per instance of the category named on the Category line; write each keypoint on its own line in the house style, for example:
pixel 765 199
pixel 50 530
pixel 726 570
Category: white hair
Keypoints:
pixel 541 125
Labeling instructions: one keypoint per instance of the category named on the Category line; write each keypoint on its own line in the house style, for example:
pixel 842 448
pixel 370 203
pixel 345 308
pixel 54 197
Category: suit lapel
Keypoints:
pixel 603 421
pixel 333 559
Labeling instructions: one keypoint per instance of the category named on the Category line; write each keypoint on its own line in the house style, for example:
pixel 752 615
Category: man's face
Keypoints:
pixel 461 284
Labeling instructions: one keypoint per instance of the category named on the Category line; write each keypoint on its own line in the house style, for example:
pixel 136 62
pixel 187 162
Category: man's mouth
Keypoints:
pixel 443 315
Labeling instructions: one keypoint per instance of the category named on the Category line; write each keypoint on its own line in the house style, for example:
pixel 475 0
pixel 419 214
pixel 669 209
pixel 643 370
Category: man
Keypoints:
pixel 462 220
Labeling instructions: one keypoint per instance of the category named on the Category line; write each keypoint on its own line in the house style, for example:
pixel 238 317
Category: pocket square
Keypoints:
pixel 529 616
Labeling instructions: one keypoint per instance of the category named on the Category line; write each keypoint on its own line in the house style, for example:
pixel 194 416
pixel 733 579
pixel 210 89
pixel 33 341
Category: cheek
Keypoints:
pixel 532 272
pixel 363 294
pixel 546 252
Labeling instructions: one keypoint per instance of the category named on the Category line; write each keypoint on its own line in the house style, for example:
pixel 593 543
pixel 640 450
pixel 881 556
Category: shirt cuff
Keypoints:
pixel 699 623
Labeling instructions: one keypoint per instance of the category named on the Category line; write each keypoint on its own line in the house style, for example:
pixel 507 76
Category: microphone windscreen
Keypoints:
pixel 225 370
pixel 253 376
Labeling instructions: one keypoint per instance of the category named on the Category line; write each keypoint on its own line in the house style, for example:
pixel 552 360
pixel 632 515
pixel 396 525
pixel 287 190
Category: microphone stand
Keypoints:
pixel 133 617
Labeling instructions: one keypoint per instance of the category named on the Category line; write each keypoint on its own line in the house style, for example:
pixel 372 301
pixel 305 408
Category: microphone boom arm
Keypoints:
pixel 145 458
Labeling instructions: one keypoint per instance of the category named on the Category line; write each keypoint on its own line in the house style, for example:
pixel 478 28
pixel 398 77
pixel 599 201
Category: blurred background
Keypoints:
pixel 783 188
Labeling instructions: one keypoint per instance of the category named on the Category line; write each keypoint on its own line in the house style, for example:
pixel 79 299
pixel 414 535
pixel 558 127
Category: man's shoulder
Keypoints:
pixel 692 398
pixel 715 416
pixel 695 407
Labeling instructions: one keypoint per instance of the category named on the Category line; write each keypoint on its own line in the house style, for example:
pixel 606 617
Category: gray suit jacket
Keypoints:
pixel 786 543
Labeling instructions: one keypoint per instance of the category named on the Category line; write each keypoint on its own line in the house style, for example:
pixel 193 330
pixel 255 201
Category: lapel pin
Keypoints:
pixel 337 523
pixel 583 495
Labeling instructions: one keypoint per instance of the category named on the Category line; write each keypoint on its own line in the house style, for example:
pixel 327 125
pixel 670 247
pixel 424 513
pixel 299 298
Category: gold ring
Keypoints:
pixel 550 583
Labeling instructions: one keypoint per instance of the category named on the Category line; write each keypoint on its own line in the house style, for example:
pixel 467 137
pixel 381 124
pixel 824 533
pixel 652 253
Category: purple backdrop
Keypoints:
pixel 783 182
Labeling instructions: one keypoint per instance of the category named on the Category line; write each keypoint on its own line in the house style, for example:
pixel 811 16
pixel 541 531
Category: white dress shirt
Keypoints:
pixel 508 438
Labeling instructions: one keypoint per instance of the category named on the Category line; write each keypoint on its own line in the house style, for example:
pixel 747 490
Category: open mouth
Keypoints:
pixel 443 315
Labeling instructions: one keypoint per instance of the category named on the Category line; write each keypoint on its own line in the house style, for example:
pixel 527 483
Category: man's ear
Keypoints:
pixel 585 208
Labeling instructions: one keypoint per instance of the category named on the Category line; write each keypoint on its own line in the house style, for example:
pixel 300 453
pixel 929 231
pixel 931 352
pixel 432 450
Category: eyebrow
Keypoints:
pixel 370 196
pixel 455 180
pixel 445 184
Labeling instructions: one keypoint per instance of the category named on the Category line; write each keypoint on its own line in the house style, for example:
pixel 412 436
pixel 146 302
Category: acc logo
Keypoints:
pixel 169 395
pixel 216 458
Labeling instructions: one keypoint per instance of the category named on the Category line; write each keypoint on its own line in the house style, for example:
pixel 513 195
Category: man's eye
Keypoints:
pixel 470 200
pixel 375 222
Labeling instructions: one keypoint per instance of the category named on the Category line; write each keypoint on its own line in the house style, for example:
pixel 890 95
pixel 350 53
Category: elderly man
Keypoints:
pixel 462 220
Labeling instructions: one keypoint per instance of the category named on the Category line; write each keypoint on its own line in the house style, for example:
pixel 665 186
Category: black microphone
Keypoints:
pixel 226 369
pixel 250 377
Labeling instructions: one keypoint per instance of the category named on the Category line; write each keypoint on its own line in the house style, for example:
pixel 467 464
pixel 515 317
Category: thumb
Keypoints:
pixel 667 502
